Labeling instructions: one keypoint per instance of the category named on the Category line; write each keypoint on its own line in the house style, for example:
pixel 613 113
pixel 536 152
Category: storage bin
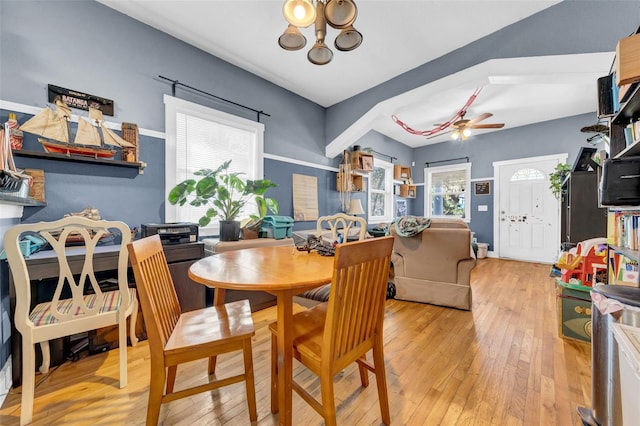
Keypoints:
pixel 280 226
pixel 483 248
pixel 628 339
pixel 574 311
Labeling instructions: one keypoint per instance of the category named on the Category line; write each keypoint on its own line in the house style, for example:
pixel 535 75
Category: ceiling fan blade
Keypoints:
pixel 488 126
pixel 480 117
pixel 439 134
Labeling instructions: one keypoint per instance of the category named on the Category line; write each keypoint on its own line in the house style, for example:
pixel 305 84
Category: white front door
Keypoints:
pixel 527 212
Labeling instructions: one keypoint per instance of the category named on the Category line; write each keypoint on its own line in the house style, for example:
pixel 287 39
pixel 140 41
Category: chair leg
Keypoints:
pixel 381 380
pixel 28 381
pixel 274 374
pixel 212 365
pixel 249 380
pixel 46 357
pixel 158 376
pixel 171 378
pixel 132 322
pixel 364 373
pixel 328 401
pixel 122 331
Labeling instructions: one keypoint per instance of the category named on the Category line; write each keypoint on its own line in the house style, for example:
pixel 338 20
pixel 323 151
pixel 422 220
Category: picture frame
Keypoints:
pixel 401 208
pixel 482 187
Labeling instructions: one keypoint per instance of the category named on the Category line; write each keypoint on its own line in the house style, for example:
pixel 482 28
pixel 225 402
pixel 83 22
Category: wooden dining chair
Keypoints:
pixel 78 304
pixel 176 338
pixel 330 336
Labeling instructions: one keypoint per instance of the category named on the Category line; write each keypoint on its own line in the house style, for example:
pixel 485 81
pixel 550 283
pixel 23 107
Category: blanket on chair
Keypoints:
pixel 409 226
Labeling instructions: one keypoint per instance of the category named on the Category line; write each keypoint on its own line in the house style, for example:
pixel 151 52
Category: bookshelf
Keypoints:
pixel 624 133
pixel 624 241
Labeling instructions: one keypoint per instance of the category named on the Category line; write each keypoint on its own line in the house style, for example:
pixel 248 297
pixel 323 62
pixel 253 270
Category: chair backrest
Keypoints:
pixel 74 236
pixel 356 302
pixel 160 305
pixel 346 221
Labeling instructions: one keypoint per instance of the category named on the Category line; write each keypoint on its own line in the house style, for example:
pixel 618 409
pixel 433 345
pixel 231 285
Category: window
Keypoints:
pixel 199 137
pixel 527 174
pixel 381 192
pixel 448 191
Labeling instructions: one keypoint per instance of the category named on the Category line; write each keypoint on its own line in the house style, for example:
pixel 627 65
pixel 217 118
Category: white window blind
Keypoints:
pixel 381 192
pixel 199 137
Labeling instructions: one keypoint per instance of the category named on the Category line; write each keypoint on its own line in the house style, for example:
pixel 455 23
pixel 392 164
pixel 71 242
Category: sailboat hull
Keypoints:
pixel 68 149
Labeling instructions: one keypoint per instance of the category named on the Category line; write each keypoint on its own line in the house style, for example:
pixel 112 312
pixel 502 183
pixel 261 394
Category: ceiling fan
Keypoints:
pixel 461 126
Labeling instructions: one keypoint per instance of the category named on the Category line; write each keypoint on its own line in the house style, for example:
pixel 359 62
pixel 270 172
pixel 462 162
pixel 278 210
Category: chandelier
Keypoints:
pixel 339 14
pixel 461 134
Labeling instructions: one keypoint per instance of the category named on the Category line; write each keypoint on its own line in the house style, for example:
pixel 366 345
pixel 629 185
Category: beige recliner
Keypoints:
pixel 434 266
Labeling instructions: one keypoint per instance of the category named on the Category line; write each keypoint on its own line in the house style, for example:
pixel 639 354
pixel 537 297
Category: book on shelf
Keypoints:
pixel 625 229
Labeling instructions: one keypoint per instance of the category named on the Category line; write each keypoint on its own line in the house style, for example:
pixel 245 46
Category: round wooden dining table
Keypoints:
pixel 282 271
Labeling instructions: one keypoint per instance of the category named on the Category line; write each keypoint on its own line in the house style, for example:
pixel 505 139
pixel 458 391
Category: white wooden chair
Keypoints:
pixel 339 223
pixel 346 221
pixel 87 307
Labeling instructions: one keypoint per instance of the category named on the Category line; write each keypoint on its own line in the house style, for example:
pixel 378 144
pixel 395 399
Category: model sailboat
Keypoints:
pixel 54 129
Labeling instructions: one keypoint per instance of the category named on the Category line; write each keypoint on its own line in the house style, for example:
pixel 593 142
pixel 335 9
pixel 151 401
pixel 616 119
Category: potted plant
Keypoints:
pixel 250 227
pixel 557 178
pixel 225 193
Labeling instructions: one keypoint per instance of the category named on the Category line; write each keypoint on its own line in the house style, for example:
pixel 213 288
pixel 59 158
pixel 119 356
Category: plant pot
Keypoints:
pixel 249 234
pixel 229 230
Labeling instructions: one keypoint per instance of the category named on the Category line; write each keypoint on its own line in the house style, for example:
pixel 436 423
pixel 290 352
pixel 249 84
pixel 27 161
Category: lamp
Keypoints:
pixel 461 135
pixel 355 207
pixel 339 14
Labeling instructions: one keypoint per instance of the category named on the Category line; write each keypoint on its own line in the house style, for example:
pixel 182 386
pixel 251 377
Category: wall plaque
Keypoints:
pixel 482 187
pixel 80 100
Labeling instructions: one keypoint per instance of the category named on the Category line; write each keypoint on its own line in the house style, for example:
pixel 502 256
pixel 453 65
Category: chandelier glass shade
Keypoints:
pixel 339 14
pixel 461 135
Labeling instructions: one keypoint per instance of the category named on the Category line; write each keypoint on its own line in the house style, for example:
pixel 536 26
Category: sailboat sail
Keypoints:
pixel 110 138
pixel 49 125
pixel 87 134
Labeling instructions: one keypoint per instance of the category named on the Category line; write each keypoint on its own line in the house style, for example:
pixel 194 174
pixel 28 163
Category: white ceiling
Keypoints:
pixel 398 36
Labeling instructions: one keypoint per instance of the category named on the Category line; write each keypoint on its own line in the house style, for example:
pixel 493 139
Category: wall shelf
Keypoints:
pixel 401 172
pixel 79 159
pixel 355 182
pixel 408 191
pixel 5 198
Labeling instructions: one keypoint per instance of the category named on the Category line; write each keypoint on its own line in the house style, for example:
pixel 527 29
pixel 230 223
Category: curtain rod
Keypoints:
pixel 175 83
pixel 443 161
pixel 391 157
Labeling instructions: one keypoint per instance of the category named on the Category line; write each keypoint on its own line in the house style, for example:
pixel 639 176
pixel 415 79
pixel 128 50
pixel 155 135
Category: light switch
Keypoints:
pixel 483 208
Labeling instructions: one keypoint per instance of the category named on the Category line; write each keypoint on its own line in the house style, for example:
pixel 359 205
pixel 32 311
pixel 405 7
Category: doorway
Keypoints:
pixel 527 215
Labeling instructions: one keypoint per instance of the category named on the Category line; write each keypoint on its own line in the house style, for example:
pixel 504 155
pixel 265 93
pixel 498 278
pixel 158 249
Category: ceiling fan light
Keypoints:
pixel 320 54
pixel 455 135
pixel 466 132
pixel 348 39
pixel 292 39
pixel 299 13
pixel 340 13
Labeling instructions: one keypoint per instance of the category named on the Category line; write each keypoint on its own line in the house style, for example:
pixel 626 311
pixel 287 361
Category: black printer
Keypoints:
pixel 172 233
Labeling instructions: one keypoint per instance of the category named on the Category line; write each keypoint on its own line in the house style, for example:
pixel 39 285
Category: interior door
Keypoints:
pixel 528 212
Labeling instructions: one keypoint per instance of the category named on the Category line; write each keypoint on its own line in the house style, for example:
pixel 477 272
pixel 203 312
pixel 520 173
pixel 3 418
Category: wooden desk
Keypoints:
pixel 282 271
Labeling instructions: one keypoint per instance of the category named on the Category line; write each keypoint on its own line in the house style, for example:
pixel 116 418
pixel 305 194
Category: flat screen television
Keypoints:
pixel 584 161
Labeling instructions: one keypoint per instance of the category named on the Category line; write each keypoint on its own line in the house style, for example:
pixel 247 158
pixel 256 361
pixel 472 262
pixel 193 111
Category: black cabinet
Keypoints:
pixel 581 218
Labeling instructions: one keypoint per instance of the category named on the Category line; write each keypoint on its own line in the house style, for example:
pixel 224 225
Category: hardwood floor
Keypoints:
pixel 502 363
